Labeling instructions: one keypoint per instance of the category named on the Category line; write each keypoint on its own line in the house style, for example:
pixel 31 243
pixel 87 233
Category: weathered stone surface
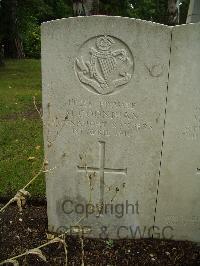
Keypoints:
pixel 179 189
pixel 104 92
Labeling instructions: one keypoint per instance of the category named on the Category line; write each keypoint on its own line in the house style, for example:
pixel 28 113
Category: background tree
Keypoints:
pixel 173 12
pixel 194 11
pixel 1 52
pixel 20 19
pixel 1 56
pixel 11 36
pixel 85 7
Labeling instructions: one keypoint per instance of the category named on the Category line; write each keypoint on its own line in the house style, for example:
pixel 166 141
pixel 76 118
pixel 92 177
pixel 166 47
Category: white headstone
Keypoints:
pixel 179 187
pixel 104 93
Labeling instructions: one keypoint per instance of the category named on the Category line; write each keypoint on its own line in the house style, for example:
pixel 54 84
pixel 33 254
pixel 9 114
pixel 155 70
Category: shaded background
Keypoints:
pixel 20 19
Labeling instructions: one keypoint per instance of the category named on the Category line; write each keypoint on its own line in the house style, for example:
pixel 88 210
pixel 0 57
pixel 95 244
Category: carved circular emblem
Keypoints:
pixel 104 65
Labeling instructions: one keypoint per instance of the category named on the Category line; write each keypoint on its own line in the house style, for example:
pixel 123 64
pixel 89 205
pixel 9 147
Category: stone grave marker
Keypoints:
pixel 104 97
pixel 179 187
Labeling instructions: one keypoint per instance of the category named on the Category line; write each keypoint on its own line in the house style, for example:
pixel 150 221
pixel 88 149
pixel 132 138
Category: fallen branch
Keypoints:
pixel 54 240
pixel 36 108
pixel 22 194
pixel 31 251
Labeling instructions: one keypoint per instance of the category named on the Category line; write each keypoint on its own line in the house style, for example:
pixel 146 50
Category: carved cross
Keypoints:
pixel 102 169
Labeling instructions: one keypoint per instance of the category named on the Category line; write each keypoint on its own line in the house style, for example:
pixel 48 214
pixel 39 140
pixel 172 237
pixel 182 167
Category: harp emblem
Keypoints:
pixel 103 69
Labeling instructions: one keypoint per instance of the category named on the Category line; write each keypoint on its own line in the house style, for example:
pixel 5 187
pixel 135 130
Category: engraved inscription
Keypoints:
pixel 104 64
pixel 102 169
pixel 104 118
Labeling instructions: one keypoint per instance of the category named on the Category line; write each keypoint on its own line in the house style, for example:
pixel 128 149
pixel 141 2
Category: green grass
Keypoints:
pixel 20 132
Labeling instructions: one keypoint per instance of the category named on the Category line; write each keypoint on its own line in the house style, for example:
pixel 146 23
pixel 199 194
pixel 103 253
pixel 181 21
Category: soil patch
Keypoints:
pixel 29 114
pixel 23 231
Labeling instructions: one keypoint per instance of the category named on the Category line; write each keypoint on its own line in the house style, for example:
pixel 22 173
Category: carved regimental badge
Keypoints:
pixel 104 65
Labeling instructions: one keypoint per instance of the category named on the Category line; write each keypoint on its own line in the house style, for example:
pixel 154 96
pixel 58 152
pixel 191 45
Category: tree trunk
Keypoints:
pixel 172 12
pixel 1 61
pixel 14 45
pixel 86 7
pixel 2 55
pixel 193 12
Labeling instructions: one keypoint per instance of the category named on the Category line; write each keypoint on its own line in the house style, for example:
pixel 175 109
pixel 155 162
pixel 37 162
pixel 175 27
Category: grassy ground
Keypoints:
pixel 20 127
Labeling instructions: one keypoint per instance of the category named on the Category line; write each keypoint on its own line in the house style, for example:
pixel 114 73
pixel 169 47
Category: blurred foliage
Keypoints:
pixel 31 40
pixel 152 10
pixel 30 14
